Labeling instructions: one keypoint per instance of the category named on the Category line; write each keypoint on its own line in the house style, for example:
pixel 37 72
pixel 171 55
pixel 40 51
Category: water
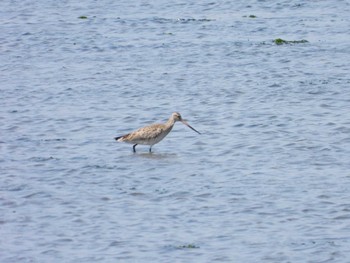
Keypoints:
pixel 268 179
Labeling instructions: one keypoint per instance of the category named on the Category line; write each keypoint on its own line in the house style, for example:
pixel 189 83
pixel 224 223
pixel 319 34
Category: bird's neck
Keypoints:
pixel 170 122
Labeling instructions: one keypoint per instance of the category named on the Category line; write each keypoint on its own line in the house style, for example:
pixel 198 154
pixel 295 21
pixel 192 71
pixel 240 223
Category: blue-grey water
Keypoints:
pixel 267 181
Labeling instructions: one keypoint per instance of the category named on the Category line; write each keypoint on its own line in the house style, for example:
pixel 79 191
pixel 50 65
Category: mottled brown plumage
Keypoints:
pixel 152 134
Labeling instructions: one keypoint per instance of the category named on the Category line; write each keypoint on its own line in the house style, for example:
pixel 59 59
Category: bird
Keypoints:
pixel 152 134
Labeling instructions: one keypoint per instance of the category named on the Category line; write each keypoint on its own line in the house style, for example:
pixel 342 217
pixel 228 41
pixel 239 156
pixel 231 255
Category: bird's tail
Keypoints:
pixel 120 138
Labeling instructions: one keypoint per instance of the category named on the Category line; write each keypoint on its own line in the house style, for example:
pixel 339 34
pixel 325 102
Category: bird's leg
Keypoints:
pixel 150 149
pixel 134 148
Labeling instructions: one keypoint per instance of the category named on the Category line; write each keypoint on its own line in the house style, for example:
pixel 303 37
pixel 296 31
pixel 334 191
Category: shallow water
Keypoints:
pixel 268 179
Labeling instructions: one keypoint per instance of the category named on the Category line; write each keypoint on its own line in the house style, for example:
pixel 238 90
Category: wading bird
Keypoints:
pixel 152 134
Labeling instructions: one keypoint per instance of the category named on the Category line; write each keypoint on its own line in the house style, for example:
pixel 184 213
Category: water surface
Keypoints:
pixel 268 179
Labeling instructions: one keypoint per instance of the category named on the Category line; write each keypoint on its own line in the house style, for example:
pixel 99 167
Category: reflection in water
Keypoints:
pixel 157 156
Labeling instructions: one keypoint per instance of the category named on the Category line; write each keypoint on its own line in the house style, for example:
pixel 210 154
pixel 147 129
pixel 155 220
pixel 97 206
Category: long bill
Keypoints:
pixel 189 126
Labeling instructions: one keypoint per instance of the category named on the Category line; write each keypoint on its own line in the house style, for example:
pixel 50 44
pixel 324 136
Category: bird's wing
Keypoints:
pixel 146 133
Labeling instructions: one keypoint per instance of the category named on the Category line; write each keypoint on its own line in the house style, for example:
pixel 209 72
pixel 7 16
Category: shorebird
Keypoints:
pixel 152 134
